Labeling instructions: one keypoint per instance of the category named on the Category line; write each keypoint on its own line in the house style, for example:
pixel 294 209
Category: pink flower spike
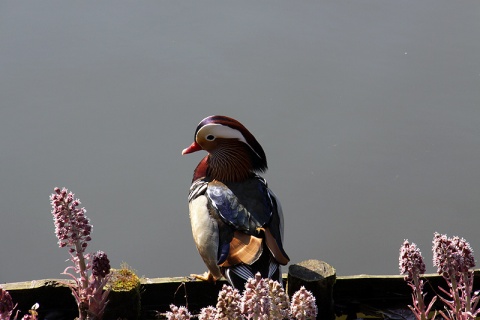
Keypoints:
pixel 178 313
pixel 451 255
pixel 303 305
pixel 72 227
pixel 411 260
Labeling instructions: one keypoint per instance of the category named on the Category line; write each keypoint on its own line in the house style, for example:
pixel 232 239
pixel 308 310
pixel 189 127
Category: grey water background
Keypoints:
pixel 368 111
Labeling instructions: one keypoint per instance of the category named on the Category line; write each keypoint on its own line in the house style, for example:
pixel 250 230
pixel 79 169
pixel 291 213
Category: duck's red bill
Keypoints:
pixel 192 148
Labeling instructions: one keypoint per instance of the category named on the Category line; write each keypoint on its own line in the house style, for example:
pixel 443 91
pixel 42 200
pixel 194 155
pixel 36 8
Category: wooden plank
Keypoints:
pixel 375 294
pixel 53 295
pixel 353 295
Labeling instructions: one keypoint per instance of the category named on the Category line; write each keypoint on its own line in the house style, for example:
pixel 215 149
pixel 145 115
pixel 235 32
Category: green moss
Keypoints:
pixel 124 279
pixel 124 295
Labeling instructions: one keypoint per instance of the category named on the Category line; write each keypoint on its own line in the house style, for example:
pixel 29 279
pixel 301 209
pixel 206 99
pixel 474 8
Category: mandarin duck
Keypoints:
pixel 237 221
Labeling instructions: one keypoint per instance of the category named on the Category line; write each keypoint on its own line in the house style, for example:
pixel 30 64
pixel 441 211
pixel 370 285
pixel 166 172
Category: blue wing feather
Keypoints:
pixel 244 206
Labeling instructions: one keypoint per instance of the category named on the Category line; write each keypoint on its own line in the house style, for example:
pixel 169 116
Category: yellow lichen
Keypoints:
pixel 123 279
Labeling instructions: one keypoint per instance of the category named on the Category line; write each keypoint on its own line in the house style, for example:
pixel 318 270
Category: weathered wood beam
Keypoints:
pixel 318 277
pixel 360 294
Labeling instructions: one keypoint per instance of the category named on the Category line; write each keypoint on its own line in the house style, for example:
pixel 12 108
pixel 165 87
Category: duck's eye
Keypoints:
pixel 210 137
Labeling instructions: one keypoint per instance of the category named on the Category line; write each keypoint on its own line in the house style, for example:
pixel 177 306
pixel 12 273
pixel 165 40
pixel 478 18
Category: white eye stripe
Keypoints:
pixel 220 131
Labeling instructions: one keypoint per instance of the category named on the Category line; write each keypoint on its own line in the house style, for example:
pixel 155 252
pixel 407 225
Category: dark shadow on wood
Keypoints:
pixel 352 295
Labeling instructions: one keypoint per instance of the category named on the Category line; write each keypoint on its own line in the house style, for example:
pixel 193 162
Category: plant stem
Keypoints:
pixel 418 293
pixel 456 298
pixel 467 290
